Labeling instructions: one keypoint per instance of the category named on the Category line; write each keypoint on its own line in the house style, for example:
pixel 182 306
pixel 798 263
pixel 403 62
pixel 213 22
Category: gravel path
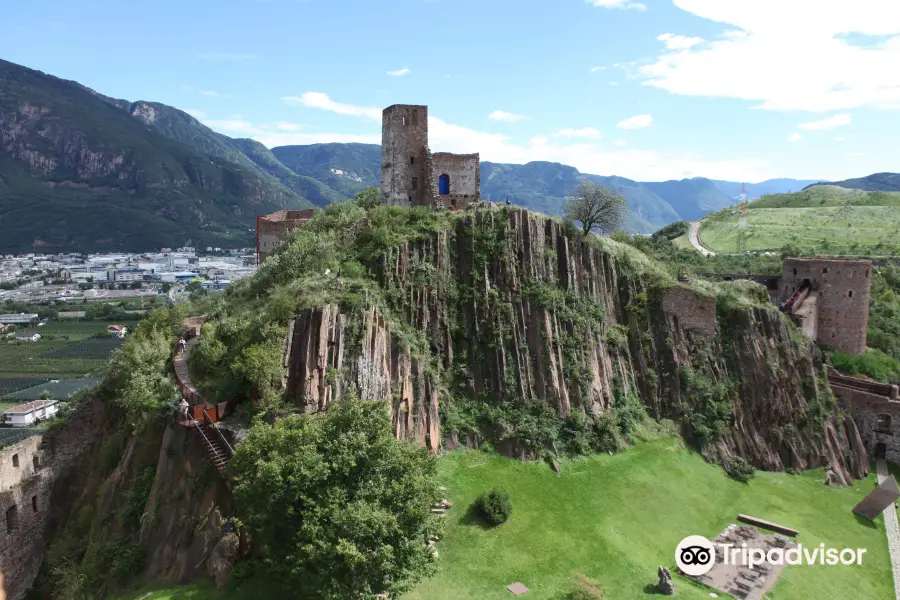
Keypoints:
pixel 892 527
pixel 695 240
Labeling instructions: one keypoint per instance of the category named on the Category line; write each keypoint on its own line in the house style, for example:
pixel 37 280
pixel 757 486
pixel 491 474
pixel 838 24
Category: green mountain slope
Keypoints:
pixel 823 219
pixel 77 172
pixel 691 198
pixel 877 182
pixel 346 168
pixel 543 187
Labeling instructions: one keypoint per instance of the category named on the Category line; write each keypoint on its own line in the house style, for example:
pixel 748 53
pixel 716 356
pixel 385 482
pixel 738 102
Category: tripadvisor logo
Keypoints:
pixel 696 555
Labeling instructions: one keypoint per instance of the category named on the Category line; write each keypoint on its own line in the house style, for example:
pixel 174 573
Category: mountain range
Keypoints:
pixel 80 171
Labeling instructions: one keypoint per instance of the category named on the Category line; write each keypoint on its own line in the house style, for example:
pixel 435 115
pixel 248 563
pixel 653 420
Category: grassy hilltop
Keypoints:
pixel 821 219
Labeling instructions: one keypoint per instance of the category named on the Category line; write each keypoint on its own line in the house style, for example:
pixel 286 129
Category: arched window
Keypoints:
pixel 884 423
pixel 415 117
pixel 851 293
pixel 34 504
pixel 16 461
pixel 36 462
pixel 444 185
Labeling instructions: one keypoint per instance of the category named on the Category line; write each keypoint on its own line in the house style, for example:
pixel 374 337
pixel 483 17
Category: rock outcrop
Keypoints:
pixel 510 307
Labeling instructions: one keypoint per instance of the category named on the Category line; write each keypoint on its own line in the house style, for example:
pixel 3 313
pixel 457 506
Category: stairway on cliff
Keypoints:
pixel 215 449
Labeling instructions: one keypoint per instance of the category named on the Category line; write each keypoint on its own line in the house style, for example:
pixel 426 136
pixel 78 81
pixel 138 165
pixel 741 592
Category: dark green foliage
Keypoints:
pixel 137 497
pixel 672 230
pixel 337 507
pixel 874 363
pixel 884 316
pixel 710 413
pixel 739 469
pixel 494 507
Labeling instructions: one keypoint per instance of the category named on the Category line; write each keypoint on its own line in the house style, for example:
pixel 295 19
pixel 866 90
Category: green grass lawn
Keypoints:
pixel 683 242
pixel 617 518
pixel 77 330
pixel 847 222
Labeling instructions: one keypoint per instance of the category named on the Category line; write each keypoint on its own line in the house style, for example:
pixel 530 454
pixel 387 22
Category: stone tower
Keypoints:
pixel 406 176
pixel 840 289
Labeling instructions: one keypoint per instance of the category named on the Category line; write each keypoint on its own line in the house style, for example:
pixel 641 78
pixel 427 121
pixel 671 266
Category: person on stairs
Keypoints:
pixel 181 345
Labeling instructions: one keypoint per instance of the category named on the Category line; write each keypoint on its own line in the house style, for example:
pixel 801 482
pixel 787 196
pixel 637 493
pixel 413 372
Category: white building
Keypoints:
pixel 27 336
pixel 18 319
pixel 31 412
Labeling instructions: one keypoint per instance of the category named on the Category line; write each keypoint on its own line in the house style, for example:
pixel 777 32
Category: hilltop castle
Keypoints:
pixel 411 175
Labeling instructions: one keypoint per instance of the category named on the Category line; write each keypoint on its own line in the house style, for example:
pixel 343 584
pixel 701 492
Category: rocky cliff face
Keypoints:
pixel 511 310
pixel 146 506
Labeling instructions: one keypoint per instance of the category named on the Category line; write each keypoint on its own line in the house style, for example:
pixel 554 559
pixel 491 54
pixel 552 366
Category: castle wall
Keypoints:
pixel 841 289
pixel 405 178
pixel 272 230
pixel 877 417
pixel 464 172
pixel 17 462
pixel 691 310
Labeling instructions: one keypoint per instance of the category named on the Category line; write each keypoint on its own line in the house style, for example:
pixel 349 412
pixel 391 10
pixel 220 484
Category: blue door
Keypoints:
pixel 444 185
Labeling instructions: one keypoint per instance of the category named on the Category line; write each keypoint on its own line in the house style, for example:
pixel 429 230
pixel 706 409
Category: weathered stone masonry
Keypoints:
pixel 841 290
pixel 411 175
pixel 875 408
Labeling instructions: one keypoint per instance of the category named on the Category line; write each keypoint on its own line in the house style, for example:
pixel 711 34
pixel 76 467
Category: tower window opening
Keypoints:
pixel 444 185
pixel 412 160
pixel 415 120
pixel 15 461
pixel 34 504
pixel 415 183
pixel 851 294
pixel 404 120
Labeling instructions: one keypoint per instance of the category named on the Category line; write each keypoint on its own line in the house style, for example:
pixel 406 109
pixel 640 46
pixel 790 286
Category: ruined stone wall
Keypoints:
pixel 272 230
pixel 22 548
pixel 17 462
pixel 842 289
pixel 404 156
pixel 690 309
pixel 869 411
pixel 464 172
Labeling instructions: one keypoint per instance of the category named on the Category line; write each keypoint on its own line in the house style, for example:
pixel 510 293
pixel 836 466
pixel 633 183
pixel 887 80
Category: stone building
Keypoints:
pixel 875 408
pixel 411 175
pixel 832 300
pixel 271 230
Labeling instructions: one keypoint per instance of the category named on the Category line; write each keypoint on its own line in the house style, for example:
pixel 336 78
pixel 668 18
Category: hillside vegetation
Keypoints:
pixel 826 220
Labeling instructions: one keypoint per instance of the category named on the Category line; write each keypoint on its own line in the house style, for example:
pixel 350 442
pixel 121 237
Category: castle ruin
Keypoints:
pixel 273 229
pixel 829 300
pixel 411 175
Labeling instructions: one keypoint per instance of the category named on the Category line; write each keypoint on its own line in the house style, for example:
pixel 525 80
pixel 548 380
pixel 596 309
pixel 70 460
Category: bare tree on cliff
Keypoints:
pixel 596 207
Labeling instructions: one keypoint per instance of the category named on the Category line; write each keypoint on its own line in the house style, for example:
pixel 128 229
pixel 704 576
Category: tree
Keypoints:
pixel 337 507
pixel 369 198
pixel 596 207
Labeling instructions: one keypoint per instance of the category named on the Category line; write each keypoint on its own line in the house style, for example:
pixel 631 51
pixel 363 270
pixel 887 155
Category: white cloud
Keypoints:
pixel 399 72
pixel 233 126
pixel 679 42
pixel 500 115
pixel 597 69
pixel 212 93
pixel 618 4
pixel 614 83
pixel 589 156
pixel 285 126
pixel 840 138
pixel 621 143
pixel 829 123
pixel 635 122
pixel 196 113
pixel 324 102
pixel 795 137
pixel 788 55
pixel 587 132
pixel 225 56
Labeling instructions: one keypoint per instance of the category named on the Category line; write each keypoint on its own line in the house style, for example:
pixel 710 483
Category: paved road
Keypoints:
pixel 695 240
pixel 892 527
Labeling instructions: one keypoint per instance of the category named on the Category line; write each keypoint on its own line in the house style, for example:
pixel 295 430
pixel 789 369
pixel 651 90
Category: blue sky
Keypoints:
pixel 652 89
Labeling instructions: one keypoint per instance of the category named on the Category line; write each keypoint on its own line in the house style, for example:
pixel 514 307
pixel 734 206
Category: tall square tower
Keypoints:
pixel 406 177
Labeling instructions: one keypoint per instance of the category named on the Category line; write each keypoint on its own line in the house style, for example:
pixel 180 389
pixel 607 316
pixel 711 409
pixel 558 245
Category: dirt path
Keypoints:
pixel 892 527
pixel 695 240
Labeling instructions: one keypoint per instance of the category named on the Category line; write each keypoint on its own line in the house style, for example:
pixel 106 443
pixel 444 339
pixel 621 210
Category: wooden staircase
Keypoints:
pixel 218 454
